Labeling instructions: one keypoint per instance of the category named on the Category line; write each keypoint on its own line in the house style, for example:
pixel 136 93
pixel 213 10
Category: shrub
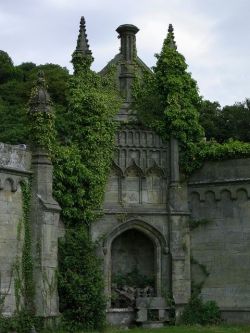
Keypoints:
pixel 81 286
pixel 199 312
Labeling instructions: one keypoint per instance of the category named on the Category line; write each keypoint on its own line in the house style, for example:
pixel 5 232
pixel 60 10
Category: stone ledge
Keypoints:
pixel 13 171
pixel 49 204
pixel 227 181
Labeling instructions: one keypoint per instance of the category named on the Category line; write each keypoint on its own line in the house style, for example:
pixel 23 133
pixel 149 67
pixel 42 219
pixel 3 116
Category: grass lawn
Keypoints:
pixel 191 329
pixel 178 329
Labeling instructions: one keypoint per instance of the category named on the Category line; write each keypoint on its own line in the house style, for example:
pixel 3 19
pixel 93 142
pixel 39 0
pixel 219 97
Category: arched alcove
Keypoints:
pixel 132 266
pixel 133 251
pixel 135 246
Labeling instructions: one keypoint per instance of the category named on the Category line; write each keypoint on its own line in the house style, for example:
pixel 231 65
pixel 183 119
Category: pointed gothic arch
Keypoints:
pixel 156 237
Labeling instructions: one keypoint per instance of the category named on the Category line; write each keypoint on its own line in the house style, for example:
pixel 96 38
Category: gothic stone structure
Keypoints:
pixel 145 225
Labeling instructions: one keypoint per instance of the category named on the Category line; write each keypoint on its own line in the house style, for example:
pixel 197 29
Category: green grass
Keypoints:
pixel 194 329
pixel 178 329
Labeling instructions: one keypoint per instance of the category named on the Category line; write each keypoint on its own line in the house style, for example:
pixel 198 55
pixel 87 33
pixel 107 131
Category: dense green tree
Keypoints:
pixel 234 122
pixel 229 122
pixel 168 100
pixel 15 90
pixel 6 67
pixel 209 118
pixel 13 122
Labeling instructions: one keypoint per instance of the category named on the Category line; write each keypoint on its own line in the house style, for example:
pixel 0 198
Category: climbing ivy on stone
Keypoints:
pixel 27 262
pixel 212 151
pixel 23 320
pixel 81 168
pixel 168 99
pixel 41 118
pixel 81 285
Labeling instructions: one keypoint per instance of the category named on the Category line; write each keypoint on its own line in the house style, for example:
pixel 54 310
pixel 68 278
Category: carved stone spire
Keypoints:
pixel 127 34
pixel 40 100
pixel 82 40
pixel 170 37
pixel 82 56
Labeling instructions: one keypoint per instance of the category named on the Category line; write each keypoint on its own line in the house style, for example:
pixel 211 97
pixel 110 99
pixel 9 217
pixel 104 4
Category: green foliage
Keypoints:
pixel 82 151
pixel 6 67
pixel 234 122
pixel 196 287
pixel 10 132
pixel 229 122
pixel 42 129
pixel 81 169
pixel 175 329
pixel 14 94
pixel 209 116
pixel 27 262
pixel 20 322
pixel 199 312
pixel 82 165
pixel 80 281
pixel 196 154
pixel 167 101
pixel 133 279
pixel 71 181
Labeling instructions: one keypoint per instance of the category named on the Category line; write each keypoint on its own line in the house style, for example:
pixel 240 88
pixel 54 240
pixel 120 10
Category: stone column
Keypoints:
pixel 44 211
pixel 179 233
pixel 45 218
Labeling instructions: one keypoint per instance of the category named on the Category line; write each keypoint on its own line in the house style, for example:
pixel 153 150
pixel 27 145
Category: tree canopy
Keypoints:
pixel 16 83
pixel 229 122
pixel 168 100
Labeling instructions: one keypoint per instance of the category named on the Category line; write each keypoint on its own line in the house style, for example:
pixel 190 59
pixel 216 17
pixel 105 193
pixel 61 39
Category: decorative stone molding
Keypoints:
pixel 217 192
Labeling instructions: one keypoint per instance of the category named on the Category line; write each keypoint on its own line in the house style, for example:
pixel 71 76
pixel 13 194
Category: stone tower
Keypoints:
pixel 144 231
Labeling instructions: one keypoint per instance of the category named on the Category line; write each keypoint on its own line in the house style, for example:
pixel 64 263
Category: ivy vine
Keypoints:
pixel 24 317
pixel 168 101
pixel 81 169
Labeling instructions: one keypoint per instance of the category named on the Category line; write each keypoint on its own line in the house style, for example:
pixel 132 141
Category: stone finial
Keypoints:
pixel 40 100
pixel 127 34
pixel 170 28
pixel 82 56
pixel 82 40
pixel 171 40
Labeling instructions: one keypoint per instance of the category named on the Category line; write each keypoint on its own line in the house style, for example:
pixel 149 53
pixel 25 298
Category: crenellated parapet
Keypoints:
pixel 217 192
pixel 14 166
pixel 222 179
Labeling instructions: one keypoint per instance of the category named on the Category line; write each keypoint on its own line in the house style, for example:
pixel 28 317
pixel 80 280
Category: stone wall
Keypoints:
pixel 14 167
pixel 220 193
pixel 17 164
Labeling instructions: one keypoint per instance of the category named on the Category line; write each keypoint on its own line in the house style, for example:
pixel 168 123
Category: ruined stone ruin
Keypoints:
pixel 148 249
